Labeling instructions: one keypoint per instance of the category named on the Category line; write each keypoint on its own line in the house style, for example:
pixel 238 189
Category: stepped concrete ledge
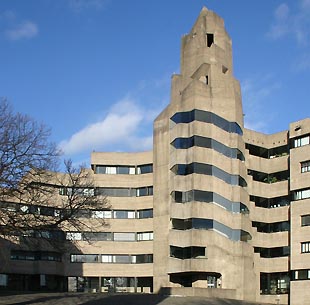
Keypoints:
pixel 112 299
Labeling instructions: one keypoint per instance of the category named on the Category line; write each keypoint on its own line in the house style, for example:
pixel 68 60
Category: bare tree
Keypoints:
pixel 35 199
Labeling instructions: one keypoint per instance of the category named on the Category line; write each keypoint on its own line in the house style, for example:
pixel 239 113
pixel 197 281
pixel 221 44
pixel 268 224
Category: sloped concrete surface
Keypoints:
pixel 109 299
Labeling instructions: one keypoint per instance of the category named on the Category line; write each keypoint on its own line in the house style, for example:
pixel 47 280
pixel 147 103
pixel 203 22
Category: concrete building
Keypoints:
pixel 214 210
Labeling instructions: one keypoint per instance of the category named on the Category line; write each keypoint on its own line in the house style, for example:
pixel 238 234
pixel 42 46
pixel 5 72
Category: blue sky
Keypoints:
pixel 98 71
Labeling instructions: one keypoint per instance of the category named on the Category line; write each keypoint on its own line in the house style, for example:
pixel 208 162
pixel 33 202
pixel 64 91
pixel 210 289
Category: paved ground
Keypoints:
pixel 107 299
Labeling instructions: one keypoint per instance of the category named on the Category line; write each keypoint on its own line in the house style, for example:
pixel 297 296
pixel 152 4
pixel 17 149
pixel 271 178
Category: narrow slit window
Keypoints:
pixel 210 39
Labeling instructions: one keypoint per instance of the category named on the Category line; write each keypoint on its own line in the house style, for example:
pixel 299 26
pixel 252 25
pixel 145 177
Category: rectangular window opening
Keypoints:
pixel 210 39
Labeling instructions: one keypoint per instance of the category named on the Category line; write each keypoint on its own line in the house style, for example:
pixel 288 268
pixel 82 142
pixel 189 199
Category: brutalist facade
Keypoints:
pixel 215 209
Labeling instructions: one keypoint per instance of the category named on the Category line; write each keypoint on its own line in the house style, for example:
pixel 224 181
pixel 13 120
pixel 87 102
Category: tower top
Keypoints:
pixel 204 10
pixel 207 43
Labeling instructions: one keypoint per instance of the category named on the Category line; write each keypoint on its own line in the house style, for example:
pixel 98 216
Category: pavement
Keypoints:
pixel 110 299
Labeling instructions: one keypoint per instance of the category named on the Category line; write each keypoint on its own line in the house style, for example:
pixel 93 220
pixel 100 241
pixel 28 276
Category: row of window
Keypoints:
pixel 301 194
pixel 206 117
pixel 76 191
pixel 301 141
pixel 116 214
pixel 210 170
pixel 110 191
pixel 210 224
pixel 123 169
pixel 53 234
pixel 272 252
pixel 199 141
pixel 110 259
pixel 270 202
pixel 274 283
pixel 50 211
pixel 267 153
pixel 263 227
pixel 35 255
pixel 299 275
pixel 124 192
pixel 89 236
pixel 110 236
pixel 205 196
pixel 269 178
pixel 187 252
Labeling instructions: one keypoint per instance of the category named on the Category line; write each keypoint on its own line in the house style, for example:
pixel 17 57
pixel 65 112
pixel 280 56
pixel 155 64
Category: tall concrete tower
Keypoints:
pixel 202 229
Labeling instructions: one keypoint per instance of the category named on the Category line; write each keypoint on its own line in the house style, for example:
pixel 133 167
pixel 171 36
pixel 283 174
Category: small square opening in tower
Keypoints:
pixel 224 69
pixel 210 39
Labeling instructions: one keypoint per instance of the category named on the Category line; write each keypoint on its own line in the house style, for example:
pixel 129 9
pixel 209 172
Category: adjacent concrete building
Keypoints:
pixel 214 210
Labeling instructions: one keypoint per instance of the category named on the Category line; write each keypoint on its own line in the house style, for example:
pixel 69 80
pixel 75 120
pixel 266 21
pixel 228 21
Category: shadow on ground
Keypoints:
pixel 110 299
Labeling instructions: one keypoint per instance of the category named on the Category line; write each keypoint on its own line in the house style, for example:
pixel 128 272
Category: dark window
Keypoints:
pixel 274 283
pixel 266 153
pixel 125 192
pixel 145 191
pixel 204 196
pixel 145 169
pixel 206 117
pixel 263 227
pixel 23 255
pixel 200 223
pixel 145 213
pixel 299 275
pixel 269 178
pixel 144 258
pixel 182 224
pixel 184 143
pixel 305 220
pixel 123 170
pixel 210 224
pixel 187 252
pixel 270 202
pixel 114 169
pixel 210 39
pixel 84 258
pixel 210 170
pixel 97 236
pixel 272 252
pixel 47 211
pixel 35 255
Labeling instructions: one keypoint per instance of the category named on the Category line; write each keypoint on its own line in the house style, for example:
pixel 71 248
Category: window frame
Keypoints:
pixel 305 220
pixel 305 166
pixel 305 247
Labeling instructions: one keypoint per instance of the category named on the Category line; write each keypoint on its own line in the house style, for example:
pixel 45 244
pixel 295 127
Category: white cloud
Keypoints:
pixel 80 5
pixel 126 126
pixel 292 23
pixel 121 126
pixel 24 30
